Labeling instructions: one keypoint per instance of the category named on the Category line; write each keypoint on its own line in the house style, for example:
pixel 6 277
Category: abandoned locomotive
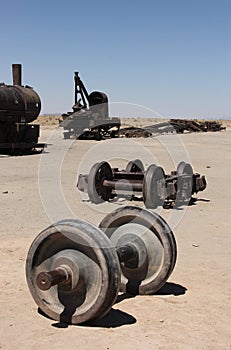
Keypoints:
pixel 19 106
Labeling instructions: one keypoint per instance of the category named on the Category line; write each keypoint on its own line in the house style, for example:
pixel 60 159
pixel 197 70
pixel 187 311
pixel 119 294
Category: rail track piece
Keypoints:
pixel 145 245
pixel 134 166
pixel 97 192
pixel 72 272
pixel 154 187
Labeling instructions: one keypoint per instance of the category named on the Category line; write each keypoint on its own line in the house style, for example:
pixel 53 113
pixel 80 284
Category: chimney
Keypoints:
pixel 17 74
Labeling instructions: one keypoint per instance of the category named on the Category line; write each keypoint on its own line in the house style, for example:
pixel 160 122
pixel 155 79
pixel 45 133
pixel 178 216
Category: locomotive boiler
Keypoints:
pixel 19 106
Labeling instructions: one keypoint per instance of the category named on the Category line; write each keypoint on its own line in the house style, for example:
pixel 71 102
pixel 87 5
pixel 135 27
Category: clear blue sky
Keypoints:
pixel 172 56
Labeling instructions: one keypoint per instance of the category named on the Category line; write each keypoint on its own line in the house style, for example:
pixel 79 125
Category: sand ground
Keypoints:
pixel 192 311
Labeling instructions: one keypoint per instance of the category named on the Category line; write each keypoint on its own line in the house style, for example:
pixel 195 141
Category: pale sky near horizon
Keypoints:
pixel 171 57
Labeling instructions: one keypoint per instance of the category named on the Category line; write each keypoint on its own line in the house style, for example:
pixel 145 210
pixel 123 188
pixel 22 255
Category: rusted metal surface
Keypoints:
pixel 156 188
pixel 90 117
pixel 19 105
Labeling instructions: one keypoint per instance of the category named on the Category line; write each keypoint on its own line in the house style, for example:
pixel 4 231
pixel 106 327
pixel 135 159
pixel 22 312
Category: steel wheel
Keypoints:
pixel 86 253
pixel 134 166
pixel 154 241
pixel 96 191
pixel 154 187
pixel 184 182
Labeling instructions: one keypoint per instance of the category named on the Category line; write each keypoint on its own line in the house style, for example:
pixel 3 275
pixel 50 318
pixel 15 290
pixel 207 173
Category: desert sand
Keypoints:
pixel 192 310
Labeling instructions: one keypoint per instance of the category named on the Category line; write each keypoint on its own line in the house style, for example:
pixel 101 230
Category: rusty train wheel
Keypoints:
pixel 154 242
pixel 184 169
pixel 83 251
pixel 184 182
pixel 134 166
pixel 154 187
pixel 96 191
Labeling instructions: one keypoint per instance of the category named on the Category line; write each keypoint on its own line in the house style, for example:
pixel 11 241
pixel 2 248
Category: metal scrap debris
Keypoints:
pixel 182 125
pixel 134 132
pixel 172 127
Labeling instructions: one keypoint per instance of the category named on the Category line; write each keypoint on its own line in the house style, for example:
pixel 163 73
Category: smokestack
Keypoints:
pixel 17 74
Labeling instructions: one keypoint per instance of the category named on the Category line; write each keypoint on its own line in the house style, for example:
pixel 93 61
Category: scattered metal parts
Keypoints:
pixel 134 132
pixel 19 106
pixel 172 126
pixel 182 125
pixel 75 270
pixel 156 188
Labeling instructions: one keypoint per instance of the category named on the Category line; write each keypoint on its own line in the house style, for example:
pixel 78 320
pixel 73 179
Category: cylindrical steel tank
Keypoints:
pixel 18 103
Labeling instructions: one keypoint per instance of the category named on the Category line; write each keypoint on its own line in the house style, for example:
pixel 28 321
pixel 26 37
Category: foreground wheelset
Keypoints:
pixel 75 270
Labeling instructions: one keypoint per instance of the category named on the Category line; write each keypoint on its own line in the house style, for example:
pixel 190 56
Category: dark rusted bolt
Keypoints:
pixel 45 280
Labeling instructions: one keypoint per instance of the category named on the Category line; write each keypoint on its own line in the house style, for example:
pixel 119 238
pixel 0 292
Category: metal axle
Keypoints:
pixel 123 185
pixel 46 279
pixel 126 252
